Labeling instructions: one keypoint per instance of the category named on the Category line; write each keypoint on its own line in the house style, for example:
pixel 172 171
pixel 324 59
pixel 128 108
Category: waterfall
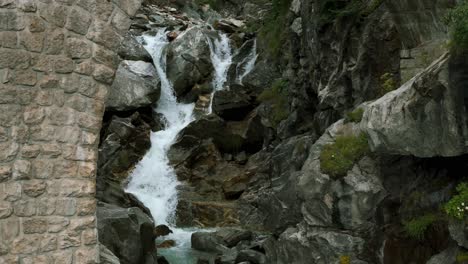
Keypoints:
pixel 154 181
pixel 221 57
pixel 247 64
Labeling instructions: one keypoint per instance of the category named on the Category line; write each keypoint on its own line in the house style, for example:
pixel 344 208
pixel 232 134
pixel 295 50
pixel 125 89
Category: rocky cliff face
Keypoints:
pixel 341 145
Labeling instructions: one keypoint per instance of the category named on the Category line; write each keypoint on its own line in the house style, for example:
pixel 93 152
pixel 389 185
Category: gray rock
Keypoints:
pixel 106 256
pixel 296 26
pixel 458 232
pixel 447 256
pixel 131 49
pixel 423 118
pixel 188 60
pixel 251 256
pixel 233 236
pixel 127 232
pixel 232 104
pixel 209 242
pixel 136 85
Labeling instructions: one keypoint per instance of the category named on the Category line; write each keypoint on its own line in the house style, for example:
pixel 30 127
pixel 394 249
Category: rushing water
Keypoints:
pixel 153 181
pixel 247 64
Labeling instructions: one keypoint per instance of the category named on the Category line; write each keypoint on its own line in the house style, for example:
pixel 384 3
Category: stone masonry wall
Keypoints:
pixel 57 59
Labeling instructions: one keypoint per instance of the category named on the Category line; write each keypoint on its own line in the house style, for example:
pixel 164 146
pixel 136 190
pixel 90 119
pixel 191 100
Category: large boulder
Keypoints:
pixel 209 242
pixel 136 85
pixel 425 117
pixel 106 256
pixel 188 60
pixel 232 104
pixel 128 233
pixel 131 49
pixel 124 142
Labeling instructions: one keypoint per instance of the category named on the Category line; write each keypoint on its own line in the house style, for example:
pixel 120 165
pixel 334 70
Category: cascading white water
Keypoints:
pixel 247 64
pixel 154 181
pixel 221 57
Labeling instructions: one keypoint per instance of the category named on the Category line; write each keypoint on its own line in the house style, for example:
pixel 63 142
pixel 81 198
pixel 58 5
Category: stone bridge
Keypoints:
pixel 57 60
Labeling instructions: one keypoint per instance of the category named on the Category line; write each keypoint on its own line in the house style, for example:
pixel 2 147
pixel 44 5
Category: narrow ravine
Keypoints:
pixel 153 181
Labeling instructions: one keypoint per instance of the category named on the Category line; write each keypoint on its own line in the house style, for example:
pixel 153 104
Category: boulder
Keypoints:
pixel 106 256
pixel 188 60
pixel 136 85
pixel 131 49
pixel 232 237
pixel 232 104
pixel 425 117
pixel 127 232
pixel 124 142
pixel 229 25
pixel 209 242
pixel 251 256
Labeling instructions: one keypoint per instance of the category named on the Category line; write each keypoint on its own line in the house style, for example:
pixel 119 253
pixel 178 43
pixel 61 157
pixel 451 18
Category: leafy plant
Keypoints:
pixel 457 207
pixel 277 97
pixel 345 260
pixel 274 30
pixel 338 158
pixel 355 116
pixel 457 20
pixel 387 83
pixel 416 228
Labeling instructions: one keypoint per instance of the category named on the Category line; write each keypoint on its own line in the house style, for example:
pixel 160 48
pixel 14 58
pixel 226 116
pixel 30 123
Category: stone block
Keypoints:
pixel 103 10
pixel 65 207
pixel 69 239
pixel 29 151
pixel 78 48
pixel 33 42
pixel 86 207
pixel 36 24
pixel 5 172
pixel 57 224
pixel 6 209
pixel 10 114
pixel 49 81
pixel 121 21
pixel 55 14
pixel 82 223
pixel 21 170
pixel 25 244
pixel 34 188
pixel 106 56
pixel 89 237
pixel 8 39
pixel 104 35
pixel 72 188
pixel 85 68
pixel 88 5
pixel 33 115
pixel 42 132
pixel 45 206
pixel 87 121
pixel 51 150
pixel 88 255
pixel 20 133
pixel 78 20
pixel 88 138
pixel 27 5
pixel 34 226
pixel 103 74
pixel 87 169
pixel 24 208
pixel 128 6
pixel 54 42
pixel 12 20
pixel 61 115
pixel 43 168
pixel 80 153
pixel 12 191
pixel 62 257
pixel 14 59
pixel 65 169
pixel 10 229
pixel 68 134
pixel 8 151
pixel 48 243
pixel 39 259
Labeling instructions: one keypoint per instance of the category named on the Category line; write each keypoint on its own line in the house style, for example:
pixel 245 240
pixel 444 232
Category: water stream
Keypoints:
pixel 153 181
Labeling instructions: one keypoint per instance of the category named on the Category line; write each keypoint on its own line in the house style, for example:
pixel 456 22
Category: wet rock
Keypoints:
pixel 232 104
pixel 136 85
pixel 127 232
pixel 166 244
pixel 124 142
pixel 131 49
pixel 251 256
pixel 188 60
pixel 233 236
pixel 229 25
pixel 106 256
pixel 397 123
pixel 162 230
pixel 445 257
pixel 459 232
pixel 209 242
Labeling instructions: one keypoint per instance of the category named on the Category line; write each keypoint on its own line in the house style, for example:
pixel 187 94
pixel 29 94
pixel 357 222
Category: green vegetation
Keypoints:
pixel 332 9
pixel 457 207
pixel 338 158
pixel 277 97
pixel 387 83
pixel 462 257
pixel 355 116
pixel 273 32
pixel 457 20
pixel 417 227
pixel 345 260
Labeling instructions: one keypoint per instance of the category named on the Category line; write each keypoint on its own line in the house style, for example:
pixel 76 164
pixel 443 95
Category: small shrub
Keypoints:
pixel 387 83
pixel 416 228
pixel 338 158
pixel 277 96
pixel 457 207
pixel 273 32
pixel 355 116
pixel 332 9
pixel 345 260
pixel 457 20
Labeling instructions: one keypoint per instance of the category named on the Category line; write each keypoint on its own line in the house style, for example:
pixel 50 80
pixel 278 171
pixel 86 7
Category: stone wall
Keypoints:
pixel 57 59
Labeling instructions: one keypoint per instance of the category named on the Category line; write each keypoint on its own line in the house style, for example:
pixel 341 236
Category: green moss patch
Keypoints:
pixel 338 158
pixel 416 228
pixel 457 19
pixel 457 207
pixel 355 116
pixel 277 97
